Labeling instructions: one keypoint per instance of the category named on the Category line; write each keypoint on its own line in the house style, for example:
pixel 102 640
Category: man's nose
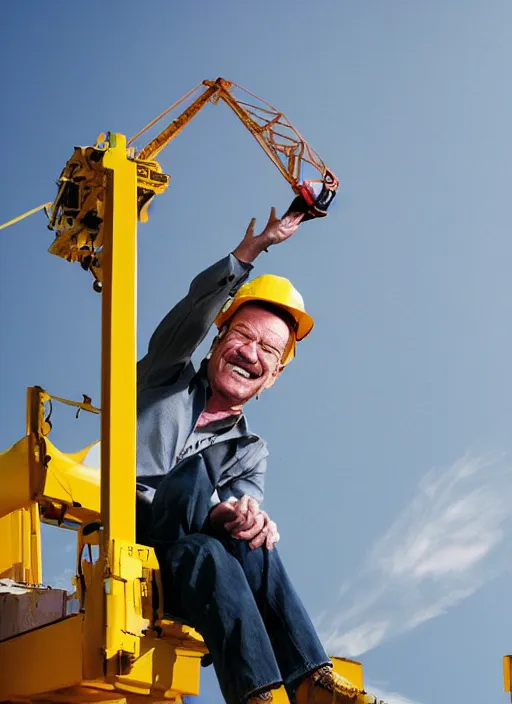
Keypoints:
pixel 249 351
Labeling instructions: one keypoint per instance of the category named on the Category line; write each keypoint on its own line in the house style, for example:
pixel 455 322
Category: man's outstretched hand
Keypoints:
pixel 244 520
pixel 276 230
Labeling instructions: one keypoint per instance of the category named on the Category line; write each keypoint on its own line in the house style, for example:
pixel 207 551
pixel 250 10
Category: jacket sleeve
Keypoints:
pixel 187 324
pixel 251 482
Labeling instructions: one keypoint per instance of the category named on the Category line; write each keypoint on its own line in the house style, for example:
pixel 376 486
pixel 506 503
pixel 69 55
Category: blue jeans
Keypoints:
pixel 240 600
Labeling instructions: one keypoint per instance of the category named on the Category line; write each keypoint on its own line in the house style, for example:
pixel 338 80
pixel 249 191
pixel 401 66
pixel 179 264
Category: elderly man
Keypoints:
pixel 204 471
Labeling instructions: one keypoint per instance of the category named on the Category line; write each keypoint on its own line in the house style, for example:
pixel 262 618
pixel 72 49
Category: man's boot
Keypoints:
pixel 261 698
pixel 327 687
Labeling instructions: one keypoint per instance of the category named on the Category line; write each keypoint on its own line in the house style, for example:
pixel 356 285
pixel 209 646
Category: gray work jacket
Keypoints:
pixel 171 394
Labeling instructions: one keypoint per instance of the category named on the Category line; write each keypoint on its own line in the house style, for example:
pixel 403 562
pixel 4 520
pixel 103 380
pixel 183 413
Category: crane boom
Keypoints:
pixel 264 129
pixel 287 149
pixel 77 213
pixel 153 149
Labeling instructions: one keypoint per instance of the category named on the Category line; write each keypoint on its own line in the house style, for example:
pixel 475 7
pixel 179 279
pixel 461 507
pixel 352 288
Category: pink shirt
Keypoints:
pixel 206 418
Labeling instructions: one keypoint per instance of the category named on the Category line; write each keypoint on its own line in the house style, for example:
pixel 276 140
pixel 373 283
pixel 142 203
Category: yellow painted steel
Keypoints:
pixel 118 375
pixel 88 693
pixel 35 575
pixel 118 388
pixel 70 482
pixel 100 647
pixel 507 673
pixel 351 670
pixel 42 660
pixel 25 215
pixel 15 562
pixel 16 491
pixel 117 648
pixel 153 149
pixel 35 469
pixel 162 670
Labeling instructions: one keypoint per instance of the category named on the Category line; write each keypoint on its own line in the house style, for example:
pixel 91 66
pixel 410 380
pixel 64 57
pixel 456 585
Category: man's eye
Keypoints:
pixel 270 350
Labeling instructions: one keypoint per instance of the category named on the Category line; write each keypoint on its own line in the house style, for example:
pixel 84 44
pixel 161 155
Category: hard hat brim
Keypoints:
pixel 305 322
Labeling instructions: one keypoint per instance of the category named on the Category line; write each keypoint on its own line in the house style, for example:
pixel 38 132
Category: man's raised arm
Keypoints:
pixel 187 324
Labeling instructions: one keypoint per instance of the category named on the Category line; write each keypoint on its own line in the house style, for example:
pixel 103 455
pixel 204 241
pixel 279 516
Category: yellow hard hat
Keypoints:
pixel 275 290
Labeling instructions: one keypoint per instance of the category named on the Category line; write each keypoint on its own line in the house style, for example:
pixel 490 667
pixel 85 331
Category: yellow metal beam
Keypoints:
pixel 507 673
pixel 118 391
pixel 350 669
pixel 153 149
pixel 42 660
pixel 36 557
pixel 118 399
pixel 15 538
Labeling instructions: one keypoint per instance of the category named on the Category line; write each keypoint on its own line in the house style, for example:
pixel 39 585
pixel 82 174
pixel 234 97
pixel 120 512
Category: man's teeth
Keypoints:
pixel 239 370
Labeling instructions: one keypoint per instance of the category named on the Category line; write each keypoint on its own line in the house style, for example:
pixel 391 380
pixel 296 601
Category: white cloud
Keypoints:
pixel 446 544
pixel 64 580
pixel 389 697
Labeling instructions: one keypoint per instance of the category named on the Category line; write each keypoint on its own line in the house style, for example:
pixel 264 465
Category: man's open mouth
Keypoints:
pixel 245 373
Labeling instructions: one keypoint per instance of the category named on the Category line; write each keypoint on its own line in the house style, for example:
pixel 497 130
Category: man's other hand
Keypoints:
pixel 276 230
pixel 244 520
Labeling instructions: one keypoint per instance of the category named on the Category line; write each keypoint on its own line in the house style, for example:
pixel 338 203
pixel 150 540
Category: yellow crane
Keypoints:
pixel 78 211
pixel 117 646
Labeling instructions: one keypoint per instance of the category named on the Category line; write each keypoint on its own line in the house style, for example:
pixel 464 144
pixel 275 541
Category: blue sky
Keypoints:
pixel 389 435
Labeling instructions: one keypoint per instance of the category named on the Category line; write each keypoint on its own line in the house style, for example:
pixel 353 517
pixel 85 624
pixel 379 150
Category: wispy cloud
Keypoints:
pixel 389 697
pixel 63 580
pixel 445 545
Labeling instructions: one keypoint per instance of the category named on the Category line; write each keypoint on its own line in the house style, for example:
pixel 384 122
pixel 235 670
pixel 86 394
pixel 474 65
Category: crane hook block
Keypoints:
pixel 312 206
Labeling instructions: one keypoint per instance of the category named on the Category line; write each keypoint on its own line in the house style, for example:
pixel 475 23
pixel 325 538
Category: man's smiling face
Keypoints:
pixel 247 358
